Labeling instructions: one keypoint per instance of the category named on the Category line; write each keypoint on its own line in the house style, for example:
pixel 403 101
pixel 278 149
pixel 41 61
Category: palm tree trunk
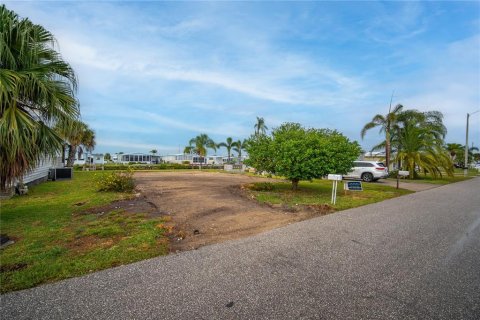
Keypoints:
pixel 387 149
pixel 71 155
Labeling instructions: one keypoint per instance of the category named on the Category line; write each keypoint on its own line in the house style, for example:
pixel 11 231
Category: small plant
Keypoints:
pixel 119 181
pixel 262 186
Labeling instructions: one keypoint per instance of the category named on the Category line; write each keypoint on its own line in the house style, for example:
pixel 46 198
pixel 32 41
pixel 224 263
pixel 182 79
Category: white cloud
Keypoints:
pixel 131 145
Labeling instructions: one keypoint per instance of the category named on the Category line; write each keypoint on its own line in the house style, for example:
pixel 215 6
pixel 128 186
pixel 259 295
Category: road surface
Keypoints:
pixel 414 257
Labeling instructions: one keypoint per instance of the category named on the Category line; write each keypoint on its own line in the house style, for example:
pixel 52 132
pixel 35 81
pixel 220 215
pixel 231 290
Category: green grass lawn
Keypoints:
pixel 458 176
pixel 319 192
pixel 58 233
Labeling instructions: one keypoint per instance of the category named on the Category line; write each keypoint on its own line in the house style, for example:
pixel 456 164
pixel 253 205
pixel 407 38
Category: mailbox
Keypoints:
pixel 335 177
pixel 403 173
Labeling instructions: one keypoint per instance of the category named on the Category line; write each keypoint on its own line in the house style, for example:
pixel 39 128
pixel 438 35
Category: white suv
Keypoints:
pixel 367 171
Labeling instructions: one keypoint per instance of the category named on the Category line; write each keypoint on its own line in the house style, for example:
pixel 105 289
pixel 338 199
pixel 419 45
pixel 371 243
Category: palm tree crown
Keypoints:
pixel 200 144
pixel 229 144
pixel 240 145
pixel 418 137
pixel 386 123
pixel 260 127
pixel 37 89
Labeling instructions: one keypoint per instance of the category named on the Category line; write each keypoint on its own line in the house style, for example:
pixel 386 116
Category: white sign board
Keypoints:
pixel 335 177
pixel 403 173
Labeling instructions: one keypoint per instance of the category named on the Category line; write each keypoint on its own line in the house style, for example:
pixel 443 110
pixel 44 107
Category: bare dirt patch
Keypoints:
pixel 137 204
pixel 208 208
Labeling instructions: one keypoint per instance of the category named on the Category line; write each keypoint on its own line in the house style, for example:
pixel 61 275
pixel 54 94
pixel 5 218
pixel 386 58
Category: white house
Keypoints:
pixel 193 159
pixel 40 173
pixel 91 159
pixel 135 157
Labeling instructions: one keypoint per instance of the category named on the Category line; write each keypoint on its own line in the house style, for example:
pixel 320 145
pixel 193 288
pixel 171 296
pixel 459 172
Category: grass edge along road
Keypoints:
pixel 318 193
pixel 445 179
pixel 66 228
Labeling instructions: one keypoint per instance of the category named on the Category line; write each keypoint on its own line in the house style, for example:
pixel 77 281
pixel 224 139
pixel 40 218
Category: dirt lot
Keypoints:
pixel 208 208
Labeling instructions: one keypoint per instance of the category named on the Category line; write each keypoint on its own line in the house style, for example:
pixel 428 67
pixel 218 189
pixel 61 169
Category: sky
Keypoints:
pixel 153 75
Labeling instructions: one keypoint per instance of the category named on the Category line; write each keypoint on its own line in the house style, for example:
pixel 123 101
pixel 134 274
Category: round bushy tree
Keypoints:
pixel 302 154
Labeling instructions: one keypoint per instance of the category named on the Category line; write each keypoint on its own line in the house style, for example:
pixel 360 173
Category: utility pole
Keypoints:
pixel 465 166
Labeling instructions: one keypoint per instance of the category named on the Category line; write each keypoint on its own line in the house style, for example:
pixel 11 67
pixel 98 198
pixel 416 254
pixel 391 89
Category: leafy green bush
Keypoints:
pixel 119 181
pixel 297 153
pixel 262 186
pixel 393 174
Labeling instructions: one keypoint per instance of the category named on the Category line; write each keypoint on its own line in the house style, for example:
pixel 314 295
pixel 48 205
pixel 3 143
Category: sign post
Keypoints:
pixel 402 174
pixel 335 178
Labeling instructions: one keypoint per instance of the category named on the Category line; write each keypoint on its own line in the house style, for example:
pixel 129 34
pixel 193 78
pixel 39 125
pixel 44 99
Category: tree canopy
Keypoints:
pixel 260 127
pixel 418 138
pixel 387 124
pixel 37 89
pixel 301 154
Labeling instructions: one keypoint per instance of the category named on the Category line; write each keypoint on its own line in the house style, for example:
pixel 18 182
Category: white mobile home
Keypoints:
pixel 90 159
pixel 40 173
pixel 136 157
pixel 192 159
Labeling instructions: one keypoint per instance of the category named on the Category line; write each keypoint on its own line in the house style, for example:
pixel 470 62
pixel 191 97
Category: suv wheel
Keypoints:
pixel 367 177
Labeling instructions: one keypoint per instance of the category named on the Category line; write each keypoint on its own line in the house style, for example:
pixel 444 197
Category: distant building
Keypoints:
pixel 373 156
pixel 136 158
pixel 193 159
pixel 90 159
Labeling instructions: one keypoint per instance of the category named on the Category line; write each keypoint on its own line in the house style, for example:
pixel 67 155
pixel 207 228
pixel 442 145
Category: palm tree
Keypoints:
pixel 239 145
pixel 386 124
pixel 229 144
pixel 418 137
pixel 37 89
pixel 454 149
pixel 78 136
pixel 199 145
pixel 88 142
pixel 153 152
pixel 260 127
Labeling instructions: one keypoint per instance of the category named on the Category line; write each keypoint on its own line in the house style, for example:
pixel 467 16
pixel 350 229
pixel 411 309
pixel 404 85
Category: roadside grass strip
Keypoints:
pixel 66 228
pixel 319 192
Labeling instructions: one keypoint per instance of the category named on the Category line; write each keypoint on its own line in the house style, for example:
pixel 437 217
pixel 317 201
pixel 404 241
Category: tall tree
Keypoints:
pixel 260 127
pixel 228 144
pixel 298 154
pixel 418 137
pixel 200 144
pixel 153 152
pixel 454 149
pixel 238 146
pixel 37 89
pixel 78 136
pixel 386 124
pixel 88 142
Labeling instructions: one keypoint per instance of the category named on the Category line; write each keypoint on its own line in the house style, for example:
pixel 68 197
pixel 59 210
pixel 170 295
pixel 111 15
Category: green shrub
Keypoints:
pixel 116 181
pixel 262 186
pixel 393 174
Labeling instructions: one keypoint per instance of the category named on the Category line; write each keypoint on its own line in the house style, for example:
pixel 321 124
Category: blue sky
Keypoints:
pixel 152 75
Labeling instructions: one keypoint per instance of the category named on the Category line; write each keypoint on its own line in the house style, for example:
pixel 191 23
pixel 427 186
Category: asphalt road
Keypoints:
pixel 414 257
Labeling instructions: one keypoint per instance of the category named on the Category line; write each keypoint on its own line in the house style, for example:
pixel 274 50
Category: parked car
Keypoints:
pixel 367 171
